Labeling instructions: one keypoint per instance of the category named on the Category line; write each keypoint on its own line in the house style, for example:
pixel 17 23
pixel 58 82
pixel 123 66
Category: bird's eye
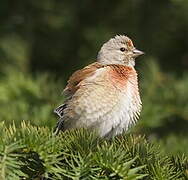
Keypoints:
pixel 122 49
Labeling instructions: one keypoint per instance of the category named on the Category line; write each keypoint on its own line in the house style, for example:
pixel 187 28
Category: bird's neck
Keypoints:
pixel 105 61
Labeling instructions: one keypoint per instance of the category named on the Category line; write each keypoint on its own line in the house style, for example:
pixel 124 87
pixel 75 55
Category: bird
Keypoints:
pixel 103 96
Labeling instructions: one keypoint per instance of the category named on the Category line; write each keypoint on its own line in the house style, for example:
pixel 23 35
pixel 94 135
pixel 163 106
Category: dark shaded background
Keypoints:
pixel 43 42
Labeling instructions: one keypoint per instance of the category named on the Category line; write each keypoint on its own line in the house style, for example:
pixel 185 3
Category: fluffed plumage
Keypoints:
pixel 104 95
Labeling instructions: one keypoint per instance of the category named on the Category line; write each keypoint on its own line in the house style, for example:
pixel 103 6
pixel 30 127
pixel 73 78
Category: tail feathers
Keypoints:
pixel 59 126
pixel 59 110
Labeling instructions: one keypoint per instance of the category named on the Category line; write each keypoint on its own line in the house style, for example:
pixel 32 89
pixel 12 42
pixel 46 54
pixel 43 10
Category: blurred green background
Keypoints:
pixel 43 42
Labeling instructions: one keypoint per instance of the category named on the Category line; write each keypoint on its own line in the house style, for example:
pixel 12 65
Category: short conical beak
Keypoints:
pixel 137 53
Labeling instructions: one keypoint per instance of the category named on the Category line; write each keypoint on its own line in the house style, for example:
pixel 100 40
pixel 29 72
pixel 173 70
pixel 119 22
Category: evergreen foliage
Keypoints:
pixel 31 152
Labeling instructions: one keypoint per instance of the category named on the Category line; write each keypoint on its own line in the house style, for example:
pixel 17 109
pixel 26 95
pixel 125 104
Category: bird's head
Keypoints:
pixel 118 50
